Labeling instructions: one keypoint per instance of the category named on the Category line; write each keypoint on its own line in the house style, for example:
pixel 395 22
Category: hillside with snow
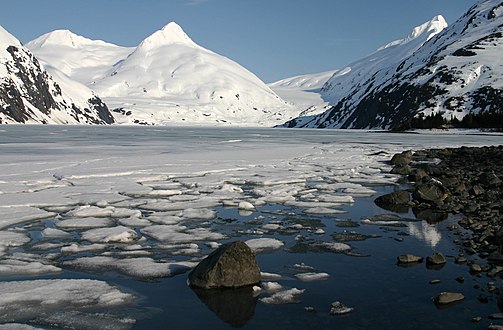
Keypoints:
pixel 451 70
pixel 303 92
pixel 167 79
pixel 29 94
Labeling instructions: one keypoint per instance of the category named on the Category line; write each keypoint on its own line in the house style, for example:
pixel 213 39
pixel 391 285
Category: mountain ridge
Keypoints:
pixel 29 94
pixel 455 73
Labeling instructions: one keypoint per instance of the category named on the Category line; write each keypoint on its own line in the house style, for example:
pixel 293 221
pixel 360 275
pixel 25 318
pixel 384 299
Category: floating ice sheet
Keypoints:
pixel 21 300
pixel 143 268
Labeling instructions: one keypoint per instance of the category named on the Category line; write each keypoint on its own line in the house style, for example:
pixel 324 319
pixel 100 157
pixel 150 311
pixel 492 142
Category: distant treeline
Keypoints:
pixel 492 119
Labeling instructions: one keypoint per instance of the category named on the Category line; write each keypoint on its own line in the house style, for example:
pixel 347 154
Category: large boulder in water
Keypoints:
pixel 232 265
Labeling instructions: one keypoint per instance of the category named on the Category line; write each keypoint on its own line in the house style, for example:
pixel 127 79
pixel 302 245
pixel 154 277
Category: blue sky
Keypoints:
pixel 274 39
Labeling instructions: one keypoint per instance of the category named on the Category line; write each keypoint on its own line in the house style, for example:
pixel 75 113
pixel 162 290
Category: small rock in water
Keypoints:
pixel 446 298
pixel 232 265
pixel 460 260
pixel 310 309
pixel 409 259
pixel 495 327
pixel 339 308
pixel 460 279
pixel 436 259
pixel 496 316
pixel 483 298
pixel 474 268
pixel 434 281
pixel 477 319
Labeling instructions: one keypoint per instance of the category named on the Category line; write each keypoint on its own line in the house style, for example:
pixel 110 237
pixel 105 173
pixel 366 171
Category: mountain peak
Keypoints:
pixel 62 38
pixel 172 33
pixel 422 33
pixel 6 38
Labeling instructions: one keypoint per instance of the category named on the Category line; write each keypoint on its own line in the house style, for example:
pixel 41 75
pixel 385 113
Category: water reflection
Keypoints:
pixel 425 232
pixel 233 306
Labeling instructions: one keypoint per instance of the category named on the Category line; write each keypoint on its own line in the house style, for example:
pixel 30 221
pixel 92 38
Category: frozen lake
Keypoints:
pixel 100 225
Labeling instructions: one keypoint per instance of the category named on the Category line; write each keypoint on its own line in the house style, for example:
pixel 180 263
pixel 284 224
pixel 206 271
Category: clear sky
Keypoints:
pixel 274 39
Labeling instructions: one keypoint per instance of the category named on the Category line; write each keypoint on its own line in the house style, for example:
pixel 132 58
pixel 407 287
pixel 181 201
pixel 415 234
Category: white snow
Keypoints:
pixel 166 79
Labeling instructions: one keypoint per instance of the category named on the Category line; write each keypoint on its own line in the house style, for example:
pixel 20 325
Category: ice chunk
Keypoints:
pixel 271 286
pixel 84 223
pixel 10 238
pixel 180 234
pixel 136 267
pixel 323 210
pixel 21 300
pixel 199 214
pixel 22 267
pixel 264 244
pixel 17 326
pixel 135 222
pixel 18 214
pixel 55 233
pixel 307 277
pixel 102 212
pixel 75 248
pixel 290 296
pixel 247 206
pixel 119 234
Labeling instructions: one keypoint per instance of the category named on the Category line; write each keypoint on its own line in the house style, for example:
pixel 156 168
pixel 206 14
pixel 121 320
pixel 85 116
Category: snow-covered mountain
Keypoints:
pixel 437 69
pixel 166 79
pixel 303 92
pixel 28 94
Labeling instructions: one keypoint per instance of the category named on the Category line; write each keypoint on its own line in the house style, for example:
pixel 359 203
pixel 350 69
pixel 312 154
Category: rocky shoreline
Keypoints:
pixel 467 181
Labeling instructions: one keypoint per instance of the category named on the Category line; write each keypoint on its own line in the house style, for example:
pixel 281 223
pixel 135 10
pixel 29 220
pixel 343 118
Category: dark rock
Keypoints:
pixel 475 268
pixel 483 298
pixel 403 158
pixel 496 257
pixel 232 265
pixel 409 259
pixel 446 298
pixel 416 175
pixel 477 190
pixel 400 197
pixel 401 170
pixel 489 179
pixel 436 259
pixel 460 260
pixel 460 279
pixel 430 192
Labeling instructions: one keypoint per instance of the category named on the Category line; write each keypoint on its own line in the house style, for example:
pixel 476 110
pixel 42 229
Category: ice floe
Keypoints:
pixel 264 244
pixel 143 267
pixel 290 296
pixel 21 300
pixel 307 277
pixel 82 223
pixel 118 234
